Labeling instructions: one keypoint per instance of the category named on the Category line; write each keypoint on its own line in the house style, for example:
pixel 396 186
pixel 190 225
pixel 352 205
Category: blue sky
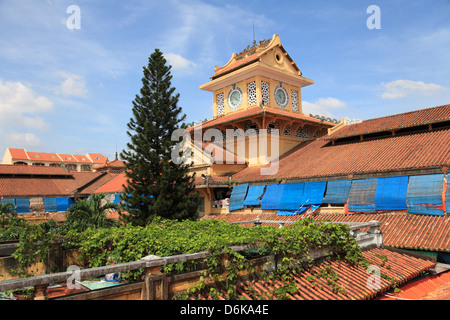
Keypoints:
pixel 71 91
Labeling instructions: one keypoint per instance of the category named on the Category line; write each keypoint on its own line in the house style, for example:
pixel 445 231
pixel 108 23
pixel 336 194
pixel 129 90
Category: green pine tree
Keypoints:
pixel 156 185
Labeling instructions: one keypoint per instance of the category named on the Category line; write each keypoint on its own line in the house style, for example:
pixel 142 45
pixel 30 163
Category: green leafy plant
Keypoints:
pixel 90 213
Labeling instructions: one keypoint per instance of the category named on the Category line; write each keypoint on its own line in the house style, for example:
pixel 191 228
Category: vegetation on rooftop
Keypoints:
pixel 289 246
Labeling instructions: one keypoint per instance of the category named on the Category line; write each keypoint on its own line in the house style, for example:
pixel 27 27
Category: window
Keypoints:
pixel 201 204
pixel 38 164
pixel 85 167
pixel 71 166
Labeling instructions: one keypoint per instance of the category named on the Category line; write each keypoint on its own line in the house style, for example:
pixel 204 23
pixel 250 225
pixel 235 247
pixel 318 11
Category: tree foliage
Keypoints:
pixel 156 185
pixel 90 213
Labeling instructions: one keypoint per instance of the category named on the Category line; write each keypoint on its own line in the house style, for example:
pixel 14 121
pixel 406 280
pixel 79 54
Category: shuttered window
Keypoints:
pixel 50 205
pixel 362 195
pixel 425 194
pixel 23 205
pixel 337 191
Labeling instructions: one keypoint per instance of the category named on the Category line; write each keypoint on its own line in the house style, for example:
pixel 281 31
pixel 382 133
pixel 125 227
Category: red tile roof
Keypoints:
pixel 400 230
pixel 114 185
pixel 43 156
pixel 398 121
pixel 257 111
pixel 321 159
pixel 236 65
pixel 97 158
pixel 18 153
pixel 8 169
pixel 435 287
pixel 22 154
pixel 25 181
pixel 352 279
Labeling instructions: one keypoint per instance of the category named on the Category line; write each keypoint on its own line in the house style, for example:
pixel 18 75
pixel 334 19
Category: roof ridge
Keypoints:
pixel 405 113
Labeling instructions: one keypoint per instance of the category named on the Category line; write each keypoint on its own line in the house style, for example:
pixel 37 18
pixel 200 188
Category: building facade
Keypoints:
pixel 72 162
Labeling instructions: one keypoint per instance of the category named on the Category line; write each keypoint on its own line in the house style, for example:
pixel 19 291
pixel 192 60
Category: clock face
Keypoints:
pixel 281 97
pixel 235 98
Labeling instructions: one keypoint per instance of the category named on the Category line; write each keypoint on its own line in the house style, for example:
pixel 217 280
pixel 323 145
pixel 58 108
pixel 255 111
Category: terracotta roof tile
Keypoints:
pixel 25 181
pixel 402 120
pixel 321 159
pixel 256 111
pixel 352 279
pixel 43 156
pixel 434 287
pixel 400 230
pixel 114 185
pixel 8 169
pixel 18 154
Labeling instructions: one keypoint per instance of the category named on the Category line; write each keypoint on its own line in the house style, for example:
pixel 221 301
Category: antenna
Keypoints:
pixel 254 39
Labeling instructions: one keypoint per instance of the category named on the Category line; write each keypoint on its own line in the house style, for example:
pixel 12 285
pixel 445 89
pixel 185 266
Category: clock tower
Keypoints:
pixel 263 75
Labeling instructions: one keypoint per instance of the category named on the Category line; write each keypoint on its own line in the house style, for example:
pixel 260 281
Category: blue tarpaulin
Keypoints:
pixel 291 198
pixel 447 196
pixel 23 205
pixel 254 195
pixel 337 191
pixel 298 197
pixel 50 205
pixel 116 199
pixel 62 204
pixel 391 193
pixel 5 201
pixel 425 194
pixel 237 197
pixel 362 195
pixel 272 196
pixel 313 192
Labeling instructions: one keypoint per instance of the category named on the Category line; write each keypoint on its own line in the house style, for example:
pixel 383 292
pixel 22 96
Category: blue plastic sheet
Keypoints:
pixel 337 191
pixel 23 205
pixel 391 193
pixel 299 197
pixel 272 196
pixel 237 197
pixel 50 205
pixel 62 204
pixel 292 196
pixel 254 195
pixel 362 195
pixel 5 201
pixel 425 194
pixel 313 192
pixel 116 199
pixel 447 196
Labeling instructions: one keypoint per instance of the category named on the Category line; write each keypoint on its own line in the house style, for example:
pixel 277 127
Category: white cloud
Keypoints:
pixel 23 140
pixel 178 62
pixel 73 85
pixel 402 88
pixel 323 107
pixel 19 106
